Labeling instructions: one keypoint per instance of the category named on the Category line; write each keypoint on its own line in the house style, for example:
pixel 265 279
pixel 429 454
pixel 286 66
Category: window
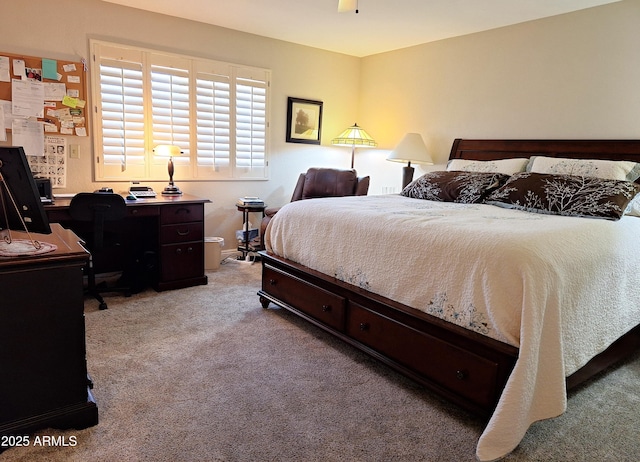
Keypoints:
pixel 217 113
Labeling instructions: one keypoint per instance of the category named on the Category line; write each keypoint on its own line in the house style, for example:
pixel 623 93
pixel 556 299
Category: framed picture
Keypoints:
pixel 304 121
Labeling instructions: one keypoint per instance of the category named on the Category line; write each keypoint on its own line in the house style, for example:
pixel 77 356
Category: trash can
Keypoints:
pixel 212 252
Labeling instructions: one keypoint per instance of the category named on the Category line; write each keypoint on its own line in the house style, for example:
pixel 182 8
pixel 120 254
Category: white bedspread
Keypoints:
pixel 561 289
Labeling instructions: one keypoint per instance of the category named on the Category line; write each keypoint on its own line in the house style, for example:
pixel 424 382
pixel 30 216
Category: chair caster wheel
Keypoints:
pixel 102 306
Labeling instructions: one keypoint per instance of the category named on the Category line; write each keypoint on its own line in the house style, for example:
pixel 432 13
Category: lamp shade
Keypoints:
pixel 411 149
pixel 354 136
pixel 167 150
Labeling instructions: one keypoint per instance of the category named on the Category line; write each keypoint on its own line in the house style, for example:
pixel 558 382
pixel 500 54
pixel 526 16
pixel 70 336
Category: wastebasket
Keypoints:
pixel 212 252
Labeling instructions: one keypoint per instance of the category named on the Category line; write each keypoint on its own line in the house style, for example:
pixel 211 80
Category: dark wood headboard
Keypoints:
pixel 580 149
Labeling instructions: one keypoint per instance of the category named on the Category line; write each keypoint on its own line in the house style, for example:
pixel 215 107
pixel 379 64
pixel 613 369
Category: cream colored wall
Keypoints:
pixel 570 76
pixel 61 29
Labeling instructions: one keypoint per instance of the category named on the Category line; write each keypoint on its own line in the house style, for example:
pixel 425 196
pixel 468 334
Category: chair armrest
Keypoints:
pixel 297 192
pixel 271 211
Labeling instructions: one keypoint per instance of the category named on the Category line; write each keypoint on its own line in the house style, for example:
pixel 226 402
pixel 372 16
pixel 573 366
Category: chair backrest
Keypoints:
pixel 329 182
pixel 97 208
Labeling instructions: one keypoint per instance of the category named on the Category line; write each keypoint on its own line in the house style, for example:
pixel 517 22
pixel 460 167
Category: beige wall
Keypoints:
pixel 570 76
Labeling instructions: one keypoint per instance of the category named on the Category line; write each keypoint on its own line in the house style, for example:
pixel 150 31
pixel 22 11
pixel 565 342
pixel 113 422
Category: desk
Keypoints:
pixel 167 230
pixel 42 340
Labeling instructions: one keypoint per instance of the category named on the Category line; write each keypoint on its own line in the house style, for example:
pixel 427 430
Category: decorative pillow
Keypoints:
pixel 464 187
pixel 506 166
pixel 607 169
pixel 578 196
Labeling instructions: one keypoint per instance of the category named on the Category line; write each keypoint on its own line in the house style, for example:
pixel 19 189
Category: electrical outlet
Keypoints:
pixel 74 151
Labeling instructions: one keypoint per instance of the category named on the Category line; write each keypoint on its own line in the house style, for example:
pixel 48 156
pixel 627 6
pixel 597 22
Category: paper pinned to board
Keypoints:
pixel 50 69
pixel 29 134
pixel 19 68
pixel 3 131
pixel 27 98
pixel 4 69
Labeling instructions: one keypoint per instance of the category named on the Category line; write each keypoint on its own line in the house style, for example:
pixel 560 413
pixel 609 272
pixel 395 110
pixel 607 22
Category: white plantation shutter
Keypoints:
pixel 170 115
pixel 251 127
pixel 122 143
pixel 213 115
pixel 170 107
pixel 217 113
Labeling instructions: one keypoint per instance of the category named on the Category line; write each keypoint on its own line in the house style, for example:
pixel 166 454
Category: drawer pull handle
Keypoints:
pixel 326 308
pixel 183 233
pixel 189 249
pixel 272 282
pixel 364 326
pixel 461 375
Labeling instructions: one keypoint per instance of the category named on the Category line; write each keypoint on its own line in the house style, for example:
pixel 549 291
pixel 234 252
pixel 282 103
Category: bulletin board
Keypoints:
pixel 65 91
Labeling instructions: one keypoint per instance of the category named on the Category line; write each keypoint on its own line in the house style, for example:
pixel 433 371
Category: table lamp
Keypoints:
pixel 169 150
pixel 410 149
pixel 352 137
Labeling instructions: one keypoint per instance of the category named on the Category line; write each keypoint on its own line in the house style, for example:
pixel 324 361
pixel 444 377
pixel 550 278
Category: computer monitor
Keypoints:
pixel 19 181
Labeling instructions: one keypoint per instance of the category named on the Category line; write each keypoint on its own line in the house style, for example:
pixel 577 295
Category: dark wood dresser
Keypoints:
pixel 44 381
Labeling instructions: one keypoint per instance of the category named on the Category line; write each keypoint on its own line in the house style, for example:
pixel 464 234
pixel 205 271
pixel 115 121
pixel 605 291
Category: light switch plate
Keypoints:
pixel 74 151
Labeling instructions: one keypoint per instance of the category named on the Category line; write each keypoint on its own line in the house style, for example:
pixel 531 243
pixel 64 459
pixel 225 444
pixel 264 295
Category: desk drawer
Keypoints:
pixel 183 232
pixel 60 215
pixel 143 211
pixel 182 213
pixel 315 301
pixel 181 261
pixel 461 371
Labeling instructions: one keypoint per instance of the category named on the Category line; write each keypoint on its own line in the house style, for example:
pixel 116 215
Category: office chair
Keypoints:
pixel 96 209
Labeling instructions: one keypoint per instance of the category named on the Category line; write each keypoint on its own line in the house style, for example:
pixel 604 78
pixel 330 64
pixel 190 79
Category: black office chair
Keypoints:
pixel 96 209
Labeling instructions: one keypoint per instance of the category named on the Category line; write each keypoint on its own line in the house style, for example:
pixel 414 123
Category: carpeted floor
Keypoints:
pixel 206 374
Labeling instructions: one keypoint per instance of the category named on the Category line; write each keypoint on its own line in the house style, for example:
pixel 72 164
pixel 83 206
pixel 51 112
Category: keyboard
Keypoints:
pixel 142 193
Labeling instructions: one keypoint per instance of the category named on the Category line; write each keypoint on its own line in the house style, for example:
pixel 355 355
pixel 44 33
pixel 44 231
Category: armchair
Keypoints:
pixel 321 182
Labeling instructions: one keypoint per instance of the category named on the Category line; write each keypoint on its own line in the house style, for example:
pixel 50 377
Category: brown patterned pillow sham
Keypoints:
pixel 578 196
pixel 464 187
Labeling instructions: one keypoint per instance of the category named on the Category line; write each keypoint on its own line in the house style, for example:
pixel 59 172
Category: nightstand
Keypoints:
pixel 247 247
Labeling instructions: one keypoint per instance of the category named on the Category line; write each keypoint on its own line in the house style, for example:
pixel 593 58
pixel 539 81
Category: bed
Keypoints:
pixel 494 307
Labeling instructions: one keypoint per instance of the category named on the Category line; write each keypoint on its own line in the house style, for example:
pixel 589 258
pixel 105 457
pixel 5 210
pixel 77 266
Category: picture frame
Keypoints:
pixel 304 121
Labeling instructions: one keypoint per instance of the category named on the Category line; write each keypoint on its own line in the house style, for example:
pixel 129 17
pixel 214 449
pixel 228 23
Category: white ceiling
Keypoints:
pixel 380 25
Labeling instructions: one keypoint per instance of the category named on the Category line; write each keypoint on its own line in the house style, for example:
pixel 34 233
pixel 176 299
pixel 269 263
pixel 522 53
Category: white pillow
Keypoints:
pixel 506 166
pixel 633 209
pixel 605 169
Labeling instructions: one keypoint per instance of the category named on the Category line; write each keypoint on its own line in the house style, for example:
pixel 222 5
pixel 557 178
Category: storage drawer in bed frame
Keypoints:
pixel 463 366
pixel 308 298
pixel 447 365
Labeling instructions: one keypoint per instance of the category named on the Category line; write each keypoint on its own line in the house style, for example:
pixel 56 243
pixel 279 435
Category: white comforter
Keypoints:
pixel 561 289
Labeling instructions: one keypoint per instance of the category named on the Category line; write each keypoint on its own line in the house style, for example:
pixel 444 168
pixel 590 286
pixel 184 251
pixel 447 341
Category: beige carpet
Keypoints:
pixel 205 374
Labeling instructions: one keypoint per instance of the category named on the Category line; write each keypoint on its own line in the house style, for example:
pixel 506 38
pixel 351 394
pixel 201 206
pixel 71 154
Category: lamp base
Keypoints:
pixel 407 175
pixel 171 190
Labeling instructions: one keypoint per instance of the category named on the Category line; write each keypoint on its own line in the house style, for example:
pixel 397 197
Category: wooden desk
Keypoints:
pixel 42 339
pixel 167 231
